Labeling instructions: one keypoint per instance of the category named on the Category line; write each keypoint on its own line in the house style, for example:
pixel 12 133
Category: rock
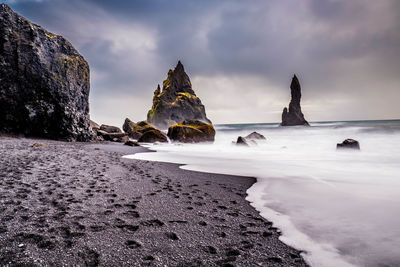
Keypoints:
pixel 44 82
pixel 94 126
pixel 249 139
pixel 176 102
pixel 112 133
pixel 349 144
pixel 131 143
pixel 192 131
pixel 110 129
pixel 294 116
pixel 129 126
pixel 110 136
pixel 136 130
pixel 255 136
pixel 122 139
pixel 152 136
pixel 241 141
pixel 143 132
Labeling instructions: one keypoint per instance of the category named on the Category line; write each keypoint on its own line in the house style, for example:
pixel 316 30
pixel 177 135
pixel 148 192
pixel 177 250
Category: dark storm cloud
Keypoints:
pixel 347 53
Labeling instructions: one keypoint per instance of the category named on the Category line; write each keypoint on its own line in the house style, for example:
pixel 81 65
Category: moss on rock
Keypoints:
pixel 176 102
pixel 137 130
pixel 152 136
pixel 192 131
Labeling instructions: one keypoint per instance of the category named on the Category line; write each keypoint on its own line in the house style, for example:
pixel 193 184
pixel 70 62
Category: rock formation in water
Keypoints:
pixel 176 102
pixel 255 136
pixel 44 82
pixel 349 144
pixel 250 139
pixel 241 141
pixel 192 131
pixel 294 116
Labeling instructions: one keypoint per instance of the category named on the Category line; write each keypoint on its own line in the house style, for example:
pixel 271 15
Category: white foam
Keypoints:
pixel 316 254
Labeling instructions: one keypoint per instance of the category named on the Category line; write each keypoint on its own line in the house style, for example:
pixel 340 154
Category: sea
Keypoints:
pixel 341 208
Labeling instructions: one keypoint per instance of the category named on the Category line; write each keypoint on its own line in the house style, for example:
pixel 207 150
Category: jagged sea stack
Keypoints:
pixel 44 82
pixel 176 102
pixel 294 116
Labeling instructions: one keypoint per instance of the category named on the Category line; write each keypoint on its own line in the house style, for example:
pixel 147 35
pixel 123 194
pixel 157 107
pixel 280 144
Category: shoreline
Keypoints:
pixel 83 204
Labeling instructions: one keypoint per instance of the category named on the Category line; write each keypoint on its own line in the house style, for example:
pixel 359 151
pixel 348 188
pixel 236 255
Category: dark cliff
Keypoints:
pixel 44 82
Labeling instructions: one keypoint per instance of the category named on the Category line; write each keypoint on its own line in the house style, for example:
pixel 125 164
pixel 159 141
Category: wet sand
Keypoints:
pixel 82 204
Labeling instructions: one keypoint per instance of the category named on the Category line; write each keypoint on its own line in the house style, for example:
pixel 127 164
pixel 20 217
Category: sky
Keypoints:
pixel 240 55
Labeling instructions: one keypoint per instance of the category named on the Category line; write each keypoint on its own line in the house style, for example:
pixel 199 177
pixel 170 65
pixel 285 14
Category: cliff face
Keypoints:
pixel 294 116
pixel 176 102
pixel 44 82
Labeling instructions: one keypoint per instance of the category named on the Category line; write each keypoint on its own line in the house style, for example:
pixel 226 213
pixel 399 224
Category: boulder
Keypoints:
pixel 110 129
pixel 94 126
pixel 44 82
pixel 294 116
pixel 122 139
pixel 255 136
pixel 176 101
pixel 136 130
pixel 112 133
pixel 249 139
pixel 129 126
pixel 241 141
pixel 115 137
pixel 192 131
pixel 152 136
pixel 349 144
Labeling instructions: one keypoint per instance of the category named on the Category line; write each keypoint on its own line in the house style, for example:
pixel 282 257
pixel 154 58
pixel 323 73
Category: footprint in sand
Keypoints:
pixel 172 236
pixel 133 244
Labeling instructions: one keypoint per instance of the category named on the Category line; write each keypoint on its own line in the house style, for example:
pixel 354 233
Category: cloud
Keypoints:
pixel 346 54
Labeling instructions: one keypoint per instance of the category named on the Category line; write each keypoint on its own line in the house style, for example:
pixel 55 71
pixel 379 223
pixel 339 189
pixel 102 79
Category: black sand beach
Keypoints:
pixel 82 204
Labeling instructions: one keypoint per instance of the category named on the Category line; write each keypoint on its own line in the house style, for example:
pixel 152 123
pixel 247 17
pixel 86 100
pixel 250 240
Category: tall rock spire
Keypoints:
pixel 294 116
pixel 176 102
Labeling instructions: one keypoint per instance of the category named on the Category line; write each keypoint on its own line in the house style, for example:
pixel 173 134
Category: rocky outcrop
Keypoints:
pixel 44 82
pixel 176 102
pixel 294 116
pixel 192 131
pixel 349 144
